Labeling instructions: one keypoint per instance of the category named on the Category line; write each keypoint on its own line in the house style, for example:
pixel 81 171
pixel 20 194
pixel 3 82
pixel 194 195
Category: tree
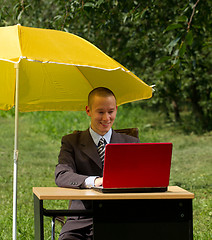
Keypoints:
pixel 166 43
pixel 189 54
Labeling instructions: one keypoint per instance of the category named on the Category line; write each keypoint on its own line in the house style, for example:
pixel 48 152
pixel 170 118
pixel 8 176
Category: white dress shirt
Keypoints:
pixel 89 182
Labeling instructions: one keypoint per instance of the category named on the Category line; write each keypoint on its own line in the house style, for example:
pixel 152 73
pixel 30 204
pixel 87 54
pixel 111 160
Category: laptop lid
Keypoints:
pixel 137 165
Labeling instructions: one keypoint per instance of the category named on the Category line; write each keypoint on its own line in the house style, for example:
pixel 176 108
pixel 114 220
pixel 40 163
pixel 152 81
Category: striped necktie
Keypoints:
pixel 101 149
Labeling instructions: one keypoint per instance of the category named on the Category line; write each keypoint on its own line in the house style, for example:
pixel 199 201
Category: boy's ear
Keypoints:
pixel 87 109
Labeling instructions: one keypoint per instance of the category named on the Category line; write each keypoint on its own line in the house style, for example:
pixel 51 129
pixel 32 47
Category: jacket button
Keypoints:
pixel 73 183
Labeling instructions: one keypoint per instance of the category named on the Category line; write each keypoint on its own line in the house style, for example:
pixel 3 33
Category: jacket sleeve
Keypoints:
pixel 65 172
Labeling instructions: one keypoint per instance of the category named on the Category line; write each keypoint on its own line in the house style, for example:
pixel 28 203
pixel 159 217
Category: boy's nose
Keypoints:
pixel 105 117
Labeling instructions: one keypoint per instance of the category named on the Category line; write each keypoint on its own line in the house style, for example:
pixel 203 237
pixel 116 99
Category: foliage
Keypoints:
pixel 166 43
pixel 189 57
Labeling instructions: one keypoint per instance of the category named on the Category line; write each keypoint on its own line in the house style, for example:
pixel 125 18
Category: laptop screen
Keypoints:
pixel 137 165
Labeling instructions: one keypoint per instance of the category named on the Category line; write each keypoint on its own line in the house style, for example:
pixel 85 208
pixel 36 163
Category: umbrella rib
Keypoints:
pixel 84 77
pixel 6 60
pixel 19 39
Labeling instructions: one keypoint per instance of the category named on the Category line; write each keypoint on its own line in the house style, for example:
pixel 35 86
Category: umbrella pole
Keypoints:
pixel 15 155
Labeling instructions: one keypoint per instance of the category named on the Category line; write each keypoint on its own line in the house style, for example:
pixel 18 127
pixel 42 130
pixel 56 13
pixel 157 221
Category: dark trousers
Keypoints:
pixel 85 233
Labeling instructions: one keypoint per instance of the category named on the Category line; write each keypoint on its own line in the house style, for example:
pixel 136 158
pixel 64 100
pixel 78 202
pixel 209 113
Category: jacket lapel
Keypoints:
pixel 115 138
pixel 88 146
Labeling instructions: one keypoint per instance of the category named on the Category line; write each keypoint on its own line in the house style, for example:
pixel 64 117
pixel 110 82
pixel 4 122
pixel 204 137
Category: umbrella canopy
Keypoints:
pixel 57 70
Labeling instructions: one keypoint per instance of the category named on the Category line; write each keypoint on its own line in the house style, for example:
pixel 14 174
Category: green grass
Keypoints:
pixel 39 143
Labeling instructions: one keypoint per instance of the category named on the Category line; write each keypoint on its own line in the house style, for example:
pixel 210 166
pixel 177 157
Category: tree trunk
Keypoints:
pixel 176 111
pixel 197 109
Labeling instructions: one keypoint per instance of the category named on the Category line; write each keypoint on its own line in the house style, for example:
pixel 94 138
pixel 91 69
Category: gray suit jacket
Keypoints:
pixel 79 159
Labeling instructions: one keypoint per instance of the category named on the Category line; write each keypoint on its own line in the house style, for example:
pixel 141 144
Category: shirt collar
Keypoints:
pixel 96 137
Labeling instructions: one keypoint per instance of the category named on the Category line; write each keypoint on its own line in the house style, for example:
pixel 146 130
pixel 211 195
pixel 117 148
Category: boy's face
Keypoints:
pixel 102 113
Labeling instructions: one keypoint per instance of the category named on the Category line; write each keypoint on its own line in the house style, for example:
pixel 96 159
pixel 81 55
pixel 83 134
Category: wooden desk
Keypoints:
pixel 164 215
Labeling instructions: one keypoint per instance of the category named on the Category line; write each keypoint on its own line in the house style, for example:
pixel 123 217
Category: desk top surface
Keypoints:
pixel 56 193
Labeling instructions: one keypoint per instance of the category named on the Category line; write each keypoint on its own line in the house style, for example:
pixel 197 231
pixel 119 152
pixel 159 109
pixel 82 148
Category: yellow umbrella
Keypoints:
pixel 57 70
pixel 49 70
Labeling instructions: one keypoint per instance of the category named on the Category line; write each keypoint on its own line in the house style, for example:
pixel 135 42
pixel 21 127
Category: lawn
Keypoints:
pixel 39 143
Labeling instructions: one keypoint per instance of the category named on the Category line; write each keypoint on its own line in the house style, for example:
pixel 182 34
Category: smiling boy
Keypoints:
pixel 80 165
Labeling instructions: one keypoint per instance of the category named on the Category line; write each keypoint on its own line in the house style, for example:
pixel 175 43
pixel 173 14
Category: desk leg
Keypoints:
pixel 38 218
pixel 143 219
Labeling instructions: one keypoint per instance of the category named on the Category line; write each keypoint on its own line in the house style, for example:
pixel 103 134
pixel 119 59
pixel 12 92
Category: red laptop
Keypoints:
pixel 137 167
